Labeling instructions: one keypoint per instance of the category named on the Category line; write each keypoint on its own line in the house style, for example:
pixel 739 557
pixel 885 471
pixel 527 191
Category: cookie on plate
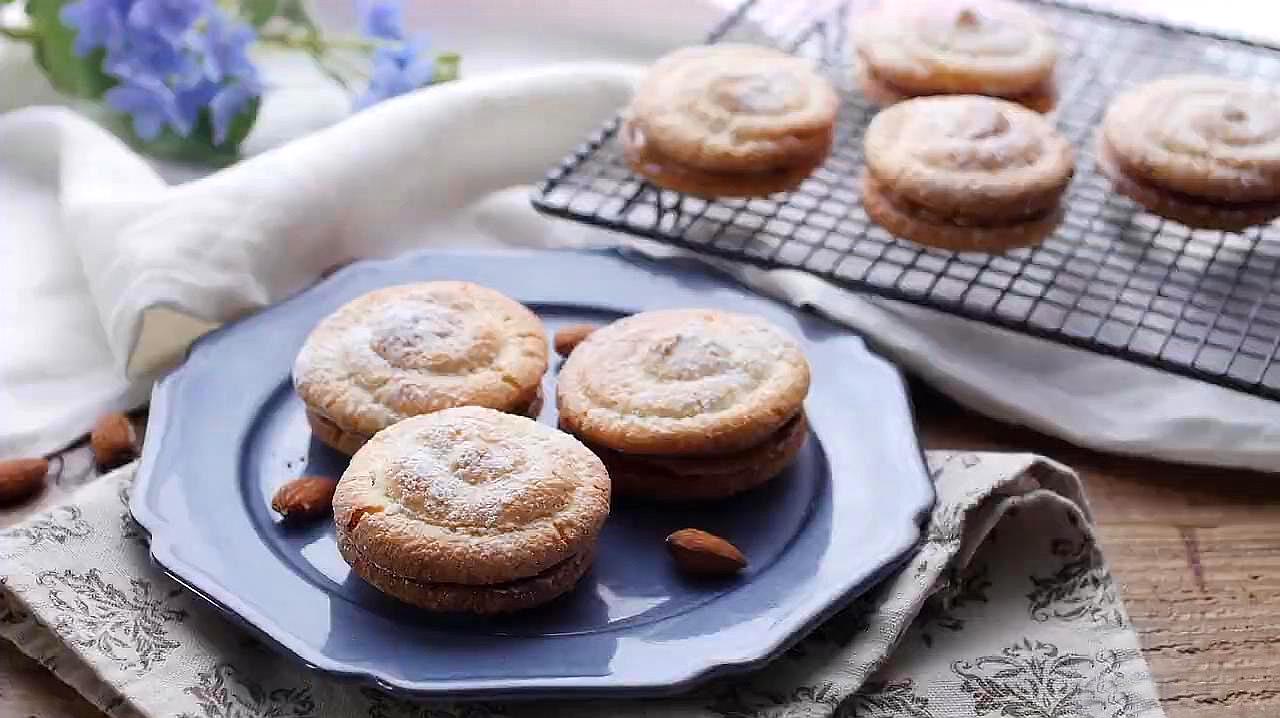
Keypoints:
pixel 729 121
pixel 1204 151
pixel 414 349
pixel 965 173
pixel 955 47
pixel 687 404
pixel 471 510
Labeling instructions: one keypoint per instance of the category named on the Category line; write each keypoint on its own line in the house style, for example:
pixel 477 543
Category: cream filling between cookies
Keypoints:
pixel 691 467
pixel 1036 209
pixel 649 155
pixel 1208 204
pixel 501 586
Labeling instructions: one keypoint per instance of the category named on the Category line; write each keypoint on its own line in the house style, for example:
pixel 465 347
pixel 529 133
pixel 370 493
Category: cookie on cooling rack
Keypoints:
pixel 937 47
pixel 687 404
pixel 414 349
pixel 965 173
pixel 729 121
pixel 471 510
pixel 1204 151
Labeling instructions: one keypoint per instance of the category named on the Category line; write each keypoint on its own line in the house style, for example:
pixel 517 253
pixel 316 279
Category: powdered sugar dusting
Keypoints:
pixel 694 367
pixel 973 135
pixel 770 92
pixel 469 473
pixel 419 348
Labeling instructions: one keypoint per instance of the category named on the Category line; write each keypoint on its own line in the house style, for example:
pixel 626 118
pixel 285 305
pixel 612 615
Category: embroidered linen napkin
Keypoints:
pixel 1006 610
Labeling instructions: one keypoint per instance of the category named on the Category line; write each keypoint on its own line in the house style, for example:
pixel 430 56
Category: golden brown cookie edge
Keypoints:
pixel 479 599
pixel 679 478
pixel 901 223
pixel 1178 207
pixel 1042 99
pixel 669 174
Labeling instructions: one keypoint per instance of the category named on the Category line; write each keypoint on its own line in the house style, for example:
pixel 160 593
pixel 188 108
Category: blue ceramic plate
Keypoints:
pixel 226 430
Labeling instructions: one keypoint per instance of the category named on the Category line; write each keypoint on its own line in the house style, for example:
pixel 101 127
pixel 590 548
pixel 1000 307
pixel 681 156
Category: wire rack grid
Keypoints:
pixel 1113 278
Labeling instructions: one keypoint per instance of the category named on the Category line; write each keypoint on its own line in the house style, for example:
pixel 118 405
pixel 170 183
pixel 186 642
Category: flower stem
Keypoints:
pixel 20 34
pixel 314 42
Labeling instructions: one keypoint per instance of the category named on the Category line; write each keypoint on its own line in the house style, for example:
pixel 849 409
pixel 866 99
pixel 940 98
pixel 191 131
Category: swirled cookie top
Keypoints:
pixel 1205 136
pixel 980 46
pixel 734 107
pixel 471 495
pixel 682 381
pixel 962 153
pixel 418 348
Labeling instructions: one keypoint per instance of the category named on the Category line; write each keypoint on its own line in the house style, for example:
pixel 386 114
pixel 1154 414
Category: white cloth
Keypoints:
pixel 107 271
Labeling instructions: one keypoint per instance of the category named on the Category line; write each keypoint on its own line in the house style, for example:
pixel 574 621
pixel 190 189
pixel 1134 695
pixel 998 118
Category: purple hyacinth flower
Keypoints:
pixel 382 18
pixel 191 100
pixel 230 101
pixel 397 70
pixel 170 19
pixel 98 23
pixel 175 61
pixel 148 54
pixel 151 105
pixel 225 46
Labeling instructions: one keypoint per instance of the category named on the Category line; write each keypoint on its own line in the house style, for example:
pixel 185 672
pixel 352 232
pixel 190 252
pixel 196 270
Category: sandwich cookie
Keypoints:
pixel 687 404
pixel 955 47
pixel 471 510
pixel 1204 151
pixel 414 349
pixel 965 173
pixel 729 120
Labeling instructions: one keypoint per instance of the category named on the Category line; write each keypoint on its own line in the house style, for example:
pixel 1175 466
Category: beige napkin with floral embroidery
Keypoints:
pixel 1007 610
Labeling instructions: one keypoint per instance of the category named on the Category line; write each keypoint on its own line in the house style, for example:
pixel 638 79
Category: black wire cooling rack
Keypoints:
pixel 1112 278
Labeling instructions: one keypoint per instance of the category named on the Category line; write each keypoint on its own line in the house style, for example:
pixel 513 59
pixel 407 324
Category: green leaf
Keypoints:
pixel 295 12
pixel 240 126
pixel 80 76
pixel 258 12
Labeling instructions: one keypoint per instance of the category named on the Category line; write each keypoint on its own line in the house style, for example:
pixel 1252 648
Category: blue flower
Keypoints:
pixel 174 61
pixel 145 54
pixel 397 70
pixel 151 105
pixel 170 19
pixel 230 101
pixel 225 45
pixel 382 18
pixel 98 23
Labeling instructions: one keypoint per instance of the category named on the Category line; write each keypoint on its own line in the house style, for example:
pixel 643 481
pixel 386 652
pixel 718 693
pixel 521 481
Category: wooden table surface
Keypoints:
pixel 1196 552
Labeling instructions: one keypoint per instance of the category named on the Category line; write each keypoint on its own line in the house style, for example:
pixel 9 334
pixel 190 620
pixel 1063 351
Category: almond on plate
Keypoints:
pixel 567 338
pixel 704 554
pixel 305 498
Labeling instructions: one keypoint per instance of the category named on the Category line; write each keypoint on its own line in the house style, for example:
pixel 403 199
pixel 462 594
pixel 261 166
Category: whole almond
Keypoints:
pixel 21 478
pixel 571 336
pixel 114 441
pixel 304 498
pixel 700 553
